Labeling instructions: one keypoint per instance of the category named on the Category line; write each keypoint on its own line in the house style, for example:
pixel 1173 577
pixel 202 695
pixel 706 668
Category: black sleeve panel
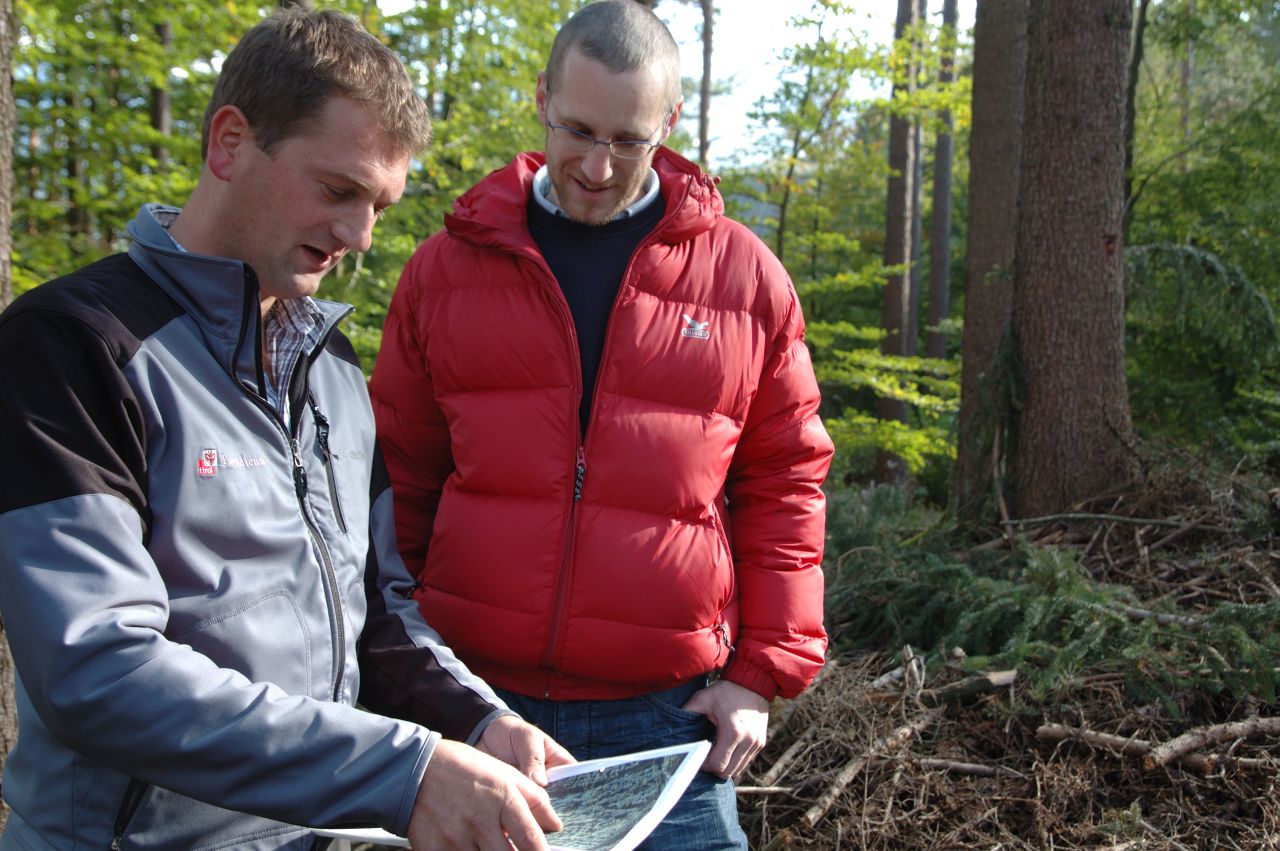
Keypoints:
pixel 71 422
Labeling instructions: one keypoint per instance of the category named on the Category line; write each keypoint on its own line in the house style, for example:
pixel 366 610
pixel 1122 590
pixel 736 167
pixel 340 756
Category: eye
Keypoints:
pixel 334 193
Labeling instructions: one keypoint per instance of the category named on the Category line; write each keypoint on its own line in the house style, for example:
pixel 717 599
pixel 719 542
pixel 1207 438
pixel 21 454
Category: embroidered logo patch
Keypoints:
pixel 694 328
pixel 208 463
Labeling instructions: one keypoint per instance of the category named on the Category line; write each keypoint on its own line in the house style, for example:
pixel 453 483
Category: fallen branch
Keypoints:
pixel 967 688
pixel 1162 618
pixel 1179 749
pixel 893 741
pixel 969 768
pixel 1114 744
pixel 764 790
pixel 784 761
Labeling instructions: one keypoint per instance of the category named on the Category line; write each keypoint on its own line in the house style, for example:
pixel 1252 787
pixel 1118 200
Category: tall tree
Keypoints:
pixel 704 91
pixel 8 36
pixel 898 248
pixel 940 226
pixel 1073 425
pixel 161 102
pixel 911 336
pixel 995 152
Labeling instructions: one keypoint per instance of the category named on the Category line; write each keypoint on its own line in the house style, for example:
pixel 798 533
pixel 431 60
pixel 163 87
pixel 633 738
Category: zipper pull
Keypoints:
pixel 299 472
pixel 580 475
pixel 322 432
pixel 723 631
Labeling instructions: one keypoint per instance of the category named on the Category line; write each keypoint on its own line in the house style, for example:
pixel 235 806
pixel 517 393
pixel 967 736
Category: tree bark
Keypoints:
pixel 940 225
pixel 704 95
pixel 1073 427
pixel 161 109
pixel 1131 103
pixel 8 34
pixel 898 250
pixel 911 337
pixel 995 152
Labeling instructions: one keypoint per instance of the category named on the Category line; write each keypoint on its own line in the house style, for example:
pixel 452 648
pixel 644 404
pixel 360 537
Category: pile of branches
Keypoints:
pixel 1121 691
pixel 871 760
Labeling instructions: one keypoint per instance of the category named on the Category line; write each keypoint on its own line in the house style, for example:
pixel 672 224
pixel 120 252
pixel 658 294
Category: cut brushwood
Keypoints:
pixel 1179 749
pixel 893 741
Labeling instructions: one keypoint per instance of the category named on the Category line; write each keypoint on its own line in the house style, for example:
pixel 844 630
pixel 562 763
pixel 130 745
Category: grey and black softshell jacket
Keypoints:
pixel 195 592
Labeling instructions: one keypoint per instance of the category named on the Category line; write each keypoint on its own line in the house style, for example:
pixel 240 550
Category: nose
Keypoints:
pixel 597 164
pixel 354 228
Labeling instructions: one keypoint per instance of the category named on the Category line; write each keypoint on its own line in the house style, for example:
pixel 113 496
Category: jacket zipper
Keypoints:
pixel 128 806
pixel 299 475
pixel 326 457
pixel 580 457
pixel 330 576
pixel 566 561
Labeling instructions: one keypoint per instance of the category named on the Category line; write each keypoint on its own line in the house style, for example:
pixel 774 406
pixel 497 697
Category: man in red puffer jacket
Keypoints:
pixel 600 420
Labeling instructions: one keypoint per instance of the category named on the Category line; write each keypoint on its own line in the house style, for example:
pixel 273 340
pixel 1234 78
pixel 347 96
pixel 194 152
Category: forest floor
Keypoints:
pixel 881 753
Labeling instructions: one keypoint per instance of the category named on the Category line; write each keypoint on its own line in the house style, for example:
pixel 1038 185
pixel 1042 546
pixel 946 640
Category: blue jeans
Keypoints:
pixel 706 817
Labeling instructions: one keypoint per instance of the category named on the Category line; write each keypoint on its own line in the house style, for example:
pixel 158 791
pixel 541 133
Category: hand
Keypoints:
pixel 742 721
pixel 523 745
pixel 469 800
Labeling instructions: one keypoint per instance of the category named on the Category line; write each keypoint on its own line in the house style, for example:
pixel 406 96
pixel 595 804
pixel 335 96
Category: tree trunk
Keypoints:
pixel 911 337
pixel 1184 94
pixel 8 702
pixel 940 226
pixel 1073 427
pixel 161 110
pixel 995 152
pixel 797 142
pixel 704 96
pixel 898 250
pixel 1131 104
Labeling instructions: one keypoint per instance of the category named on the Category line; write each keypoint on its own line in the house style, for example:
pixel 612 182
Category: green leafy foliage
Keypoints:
pixel 1036 610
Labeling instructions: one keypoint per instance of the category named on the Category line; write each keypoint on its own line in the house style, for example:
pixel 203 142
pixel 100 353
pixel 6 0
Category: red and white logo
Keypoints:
pixel 208 463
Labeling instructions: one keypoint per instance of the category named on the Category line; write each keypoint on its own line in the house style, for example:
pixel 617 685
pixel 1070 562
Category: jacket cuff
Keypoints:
pixel 478 730
pixel 743 673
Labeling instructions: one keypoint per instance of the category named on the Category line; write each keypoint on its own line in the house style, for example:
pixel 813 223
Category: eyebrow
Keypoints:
pixel 625 136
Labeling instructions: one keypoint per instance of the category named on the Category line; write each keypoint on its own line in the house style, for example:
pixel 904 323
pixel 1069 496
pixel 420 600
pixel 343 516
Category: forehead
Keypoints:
pixel 589 94
pixel 344 139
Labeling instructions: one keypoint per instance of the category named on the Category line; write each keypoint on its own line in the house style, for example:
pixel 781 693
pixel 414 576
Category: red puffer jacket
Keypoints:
pixel 685 533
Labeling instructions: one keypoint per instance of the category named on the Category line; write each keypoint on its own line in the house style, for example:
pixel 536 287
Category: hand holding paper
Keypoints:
pixel 470 800
pixel 526 747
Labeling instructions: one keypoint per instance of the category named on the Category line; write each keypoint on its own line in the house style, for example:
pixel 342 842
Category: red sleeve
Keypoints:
pixel 411 427
pixel 777 522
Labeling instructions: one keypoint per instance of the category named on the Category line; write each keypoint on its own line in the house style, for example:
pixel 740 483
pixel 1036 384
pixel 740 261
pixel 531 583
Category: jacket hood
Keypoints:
pixel 493 212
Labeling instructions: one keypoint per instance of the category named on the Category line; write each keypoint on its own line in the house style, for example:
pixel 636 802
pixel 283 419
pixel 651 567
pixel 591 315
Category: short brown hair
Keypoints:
pixel 622 35
pixel 286 68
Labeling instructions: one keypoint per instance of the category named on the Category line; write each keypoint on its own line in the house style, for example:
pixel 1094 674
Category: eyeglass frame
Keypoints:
pixel 577 136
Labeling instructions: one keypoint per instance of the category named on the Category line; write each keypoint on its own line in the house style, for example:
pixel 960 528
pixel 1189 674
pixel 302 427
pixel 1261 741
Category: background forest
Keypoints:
pixel 1038 261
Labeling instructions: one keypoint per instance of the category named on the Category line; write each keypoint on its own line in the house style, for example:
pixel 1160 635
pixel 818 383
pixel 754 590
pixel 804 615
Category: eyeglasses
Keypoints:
pixel 623 149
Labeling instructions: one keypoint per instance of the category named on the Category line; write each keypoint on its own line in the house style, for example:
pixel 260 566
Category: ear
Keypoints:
pixel 670 126
pixel 229 137
pixel 542 96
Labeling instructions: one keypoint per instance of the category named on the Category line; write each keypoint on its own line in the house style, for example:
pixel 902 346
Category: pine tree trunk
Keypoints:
pixel 940 225
pixel 1073 427
pixel 161 108
pixel 8 703
pixel 995 151
pixel 704 96
pixel 898 250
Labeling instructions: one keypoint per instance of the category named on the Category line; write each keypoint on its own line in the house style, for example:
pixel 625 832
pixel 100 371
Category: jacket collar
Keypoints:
pixel 493 212
pixel 219 293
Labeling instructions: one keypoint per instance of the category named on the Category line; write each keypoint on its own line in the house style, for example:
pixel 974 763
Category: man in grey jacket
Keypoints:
pixel 198 570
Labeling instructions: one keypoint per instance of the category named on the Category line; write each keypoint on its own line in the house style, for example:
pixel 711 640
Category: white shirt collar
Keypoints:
pixel 542 192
